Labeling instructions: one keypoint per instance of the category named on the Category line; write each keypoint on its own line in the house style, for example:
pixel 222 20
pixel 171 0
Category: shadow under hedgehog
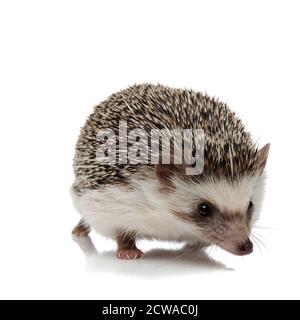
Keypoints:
pixel 127 201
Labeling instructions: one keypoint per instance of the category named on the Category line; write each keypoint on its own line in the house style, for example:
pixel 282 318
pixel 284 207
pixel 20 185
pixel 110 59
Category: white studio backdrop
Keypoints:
pixel 59 58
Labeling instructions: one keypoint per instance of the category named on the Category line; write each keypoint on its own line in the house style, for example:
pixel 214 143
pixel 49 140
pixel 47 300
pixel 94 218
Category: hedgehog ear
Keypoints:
pixel 262 158
pixel 165 172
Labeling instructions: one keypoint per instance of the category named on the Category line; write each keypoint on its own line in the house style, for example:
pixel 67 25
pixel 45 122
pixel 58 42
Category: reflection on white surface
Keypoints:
pixel 157 262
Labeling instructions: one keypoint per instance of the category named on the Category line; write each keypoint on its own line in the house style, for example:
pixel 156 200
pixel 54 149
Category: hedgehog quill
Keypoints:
pixel 211 196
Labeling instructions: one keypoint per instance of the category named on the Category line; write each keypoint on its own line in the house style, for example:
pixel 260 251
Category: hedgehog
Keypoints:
pixel 202 188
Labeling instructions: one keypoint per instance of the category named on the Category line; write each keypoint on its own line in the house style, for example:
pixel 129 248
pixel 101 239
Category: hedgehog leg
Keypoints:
pixel 127 248
pixel 82 229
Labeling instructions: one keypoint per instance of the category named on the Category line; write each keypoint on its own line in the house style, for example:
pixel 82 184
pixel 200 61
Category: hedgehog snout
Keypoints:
pixel 245 247
pixel 235 239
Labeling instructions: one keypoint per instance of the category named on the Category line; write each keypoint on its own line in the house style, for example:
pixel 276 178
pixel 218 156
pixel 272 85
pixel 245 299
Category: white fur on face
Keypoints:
pixel 227 197
pixel 147 211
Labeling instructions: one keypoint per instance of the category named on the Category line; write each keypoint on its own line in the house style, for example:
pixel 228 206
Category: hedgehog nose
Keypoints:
pixel 245 247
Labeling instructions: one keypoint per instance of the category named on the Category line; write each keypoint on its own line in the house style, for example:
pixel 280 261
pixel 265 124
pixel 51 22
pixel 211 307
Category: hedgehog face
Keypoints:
pixel 220 211
pixel 228 228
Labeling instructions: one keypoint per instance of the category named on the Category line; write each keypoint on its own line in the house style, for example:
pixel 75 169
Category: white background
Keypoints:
pixel 60 58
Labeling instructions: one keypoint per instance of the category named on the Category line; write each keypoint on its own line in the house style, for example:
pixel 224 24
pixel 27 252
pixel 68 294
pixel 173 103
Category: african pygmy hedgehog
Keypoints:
pixel 122 197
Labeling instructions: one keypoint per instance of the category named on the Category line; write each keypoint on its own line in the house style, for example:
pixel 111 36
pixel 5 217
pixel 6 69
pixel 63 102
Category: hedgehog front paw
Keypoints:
pixel 129 254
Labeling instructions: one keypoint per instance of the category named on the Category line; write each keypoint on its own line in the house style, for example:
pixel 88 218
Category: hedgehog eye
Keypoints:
pixel 204 209
pixel 250 206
